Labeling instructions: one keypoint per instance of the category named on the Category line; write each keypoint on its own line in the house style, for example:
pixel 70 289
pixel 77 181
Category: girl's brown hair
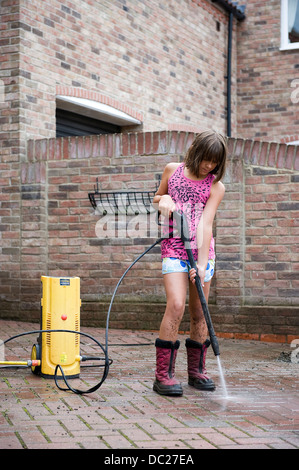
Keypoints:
pixel 211 146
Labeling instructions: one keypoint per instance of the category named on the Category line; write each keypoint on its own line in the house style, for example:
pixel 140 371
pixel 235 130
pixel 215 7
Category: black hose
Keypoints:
pixel 106 365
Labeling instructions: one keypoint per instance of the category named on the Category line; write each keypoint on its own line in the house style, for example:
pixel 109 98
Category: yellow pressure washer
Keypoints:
pixel 56 354
pixel 60 310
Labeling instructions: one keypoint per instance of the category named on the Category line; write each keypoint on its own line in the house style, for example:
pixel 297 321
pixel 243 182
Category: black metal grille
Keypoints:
pixel 122 202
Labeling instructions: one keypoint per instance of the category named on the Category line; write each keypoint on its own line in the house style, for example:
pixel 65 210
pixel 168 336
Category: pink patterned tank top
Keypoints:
pixel 190 197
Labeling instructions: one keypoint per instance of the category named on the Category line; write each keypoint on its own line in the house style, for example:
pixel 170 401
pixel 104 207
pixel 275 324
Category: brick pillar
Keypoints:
pixel 11 153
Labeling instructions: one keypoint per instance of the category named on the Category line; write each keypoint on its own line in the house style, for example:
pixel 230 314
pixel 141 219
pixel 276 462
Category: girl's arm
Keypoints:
pixel 162 201
pixel 204 230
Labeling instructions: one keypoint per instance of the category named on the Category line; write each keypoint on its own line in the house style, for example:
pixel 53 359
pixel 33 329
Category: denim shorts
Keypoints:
pixel 175 265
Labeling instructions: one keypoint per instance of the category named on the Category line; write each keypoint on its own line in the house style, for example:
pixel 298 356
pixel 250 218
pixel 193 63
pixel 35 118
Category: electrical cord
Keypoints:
pixel 106 366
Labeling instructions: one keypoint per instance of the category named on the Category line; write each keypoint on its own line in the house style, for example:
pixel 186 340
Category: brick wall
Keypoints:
pixel 267 108
pixel 142 55
pixel 255 288
pixel 138 55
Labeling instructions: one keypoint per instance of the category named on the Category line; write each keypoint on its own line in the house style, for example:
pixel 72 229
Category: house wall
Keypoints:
pixel 255 289
pixel 267 77
pixel 164 61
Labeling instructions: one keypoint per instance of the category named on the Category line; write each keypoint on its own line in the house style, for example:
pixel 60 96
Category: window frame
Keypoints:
pixel 284 43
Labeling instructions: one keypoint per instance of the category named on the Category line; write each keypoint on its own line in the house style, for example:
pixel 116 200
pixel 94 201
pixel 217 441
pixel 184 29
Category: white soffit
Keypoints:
pixel 95 110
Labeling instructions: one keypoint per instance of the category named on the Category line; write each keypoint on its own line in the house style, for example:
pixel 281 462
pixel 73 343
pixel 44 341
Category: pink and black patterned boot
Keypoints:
pixel 196 356
pixel 165 382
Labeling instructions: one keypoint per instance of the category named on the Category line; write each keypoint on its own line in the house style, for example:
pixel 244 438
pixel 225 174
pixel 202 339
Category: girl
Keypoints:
pixel 193 187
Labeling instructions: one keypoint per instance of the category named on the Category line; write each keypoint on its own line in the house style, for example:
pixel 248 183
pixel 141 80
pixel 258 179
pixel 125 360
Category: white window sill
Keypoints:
pixel 95 110
pixel 290 47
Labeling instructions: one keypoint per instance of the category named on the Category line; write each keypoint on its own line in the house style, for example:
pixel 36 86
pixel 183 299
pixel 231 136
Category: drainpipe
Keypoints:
pixel 239 12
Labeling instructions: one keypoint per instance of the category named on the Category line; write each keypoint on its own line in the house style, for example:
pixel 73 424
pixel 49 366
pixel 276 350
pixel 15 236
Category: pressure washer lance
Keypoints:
pixel 182 226
pixel 29 363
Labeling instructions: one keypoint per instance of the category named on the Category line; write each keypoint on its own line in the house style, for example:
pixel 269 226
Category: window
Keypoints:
pixel 71 124
pixel 289 24
pixel 79 116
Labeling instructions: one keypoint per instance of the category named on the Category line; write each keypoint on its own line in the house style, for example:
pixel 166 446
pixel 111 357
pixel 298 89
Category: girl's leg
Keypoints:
pixel 198 327
pixel 167 344
pixel 176 285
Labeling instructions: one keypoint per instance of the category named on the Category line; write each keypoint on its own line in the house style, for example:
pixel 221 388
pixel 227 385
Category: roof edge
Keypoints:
pixel 232 7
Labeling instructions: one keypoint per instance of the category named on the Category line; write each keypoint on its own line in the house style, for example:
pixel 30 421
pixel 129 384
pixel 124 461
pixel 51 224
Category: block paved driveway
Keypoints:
pixel 261 411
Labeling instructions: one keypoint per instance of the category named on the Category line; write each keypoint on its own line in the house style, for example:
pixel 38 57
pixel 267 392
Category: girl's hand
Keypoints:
pixel 201 270
pixel 166 205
